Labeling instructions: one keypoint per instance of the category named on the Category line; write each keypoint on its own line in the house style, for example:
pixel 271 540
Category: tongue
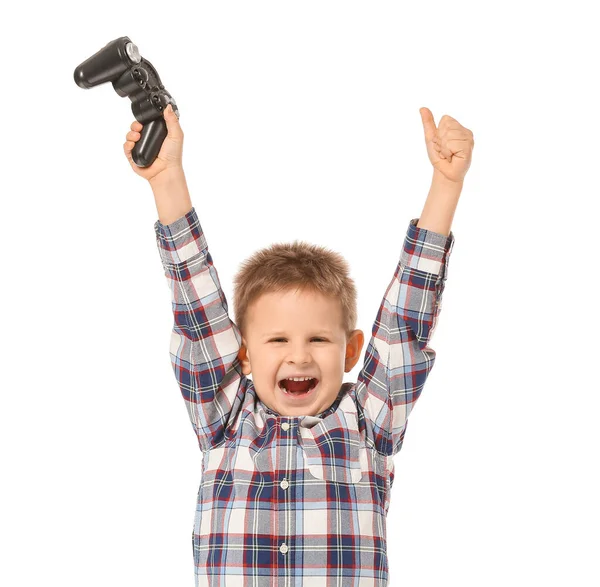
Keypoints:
pixel 297 386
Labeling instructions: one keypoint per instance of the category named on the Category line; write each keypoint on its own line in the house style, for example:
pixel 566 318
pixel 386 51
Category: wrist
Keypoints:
pixel 166 177
pixel 171 196
pixel 441 180
pixel 441 204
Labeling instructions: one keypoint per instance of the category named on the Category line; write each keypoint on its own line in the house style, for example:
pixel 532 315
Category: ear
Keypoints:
pixel 353 349
pixel 244 358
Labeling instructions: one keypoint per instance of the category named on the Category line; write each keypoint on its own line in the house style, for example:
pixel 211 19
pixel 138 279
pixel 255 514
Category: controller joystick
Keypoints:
pixel 132 76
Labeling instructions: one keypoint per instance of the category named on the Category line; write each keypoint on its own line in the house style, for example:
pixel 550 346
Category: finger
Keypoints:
pixel 137 126
pixel 133 135
pixel 174 129
pixel 454 147
pixel 442 149
pixel 458 144
pixel 438 150
pixel 454 133
pixel 127 147
pixel 448 122
pixel 428 123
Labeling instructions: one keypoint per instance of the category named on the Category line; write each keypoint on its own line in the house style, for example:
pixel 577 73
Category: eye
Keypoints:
pixel 315 338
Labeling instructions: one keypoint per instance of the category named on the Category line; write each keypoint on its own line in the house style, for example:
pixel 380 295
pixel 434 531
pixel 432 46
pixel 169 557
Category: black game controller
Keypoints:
pixel 133 76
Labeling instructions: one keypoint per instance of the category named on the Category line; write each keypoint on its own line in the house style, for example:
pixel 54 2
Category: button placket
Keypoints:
pixel 284 484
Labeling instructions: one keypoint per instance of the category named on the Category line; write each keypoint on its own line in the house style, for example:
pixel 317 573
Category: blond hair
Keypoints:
pixel 299 265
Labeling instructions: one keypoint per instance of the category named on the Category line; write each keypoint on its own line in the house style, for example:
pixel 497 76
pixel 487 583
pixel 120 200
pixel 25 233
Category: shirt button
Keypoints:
pixel 284 484
pixel 285 426
pixel 283 548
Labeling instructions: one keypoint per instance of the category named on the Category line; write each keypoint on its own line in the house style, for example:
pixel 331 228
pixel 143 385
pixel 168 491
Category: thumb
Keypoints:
pixel 173 126
pixel 428 123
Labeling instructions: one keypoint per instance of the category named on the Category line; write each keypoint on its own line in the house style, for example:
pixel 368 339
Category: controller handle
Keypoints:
pixel 148 147
pixel 132 76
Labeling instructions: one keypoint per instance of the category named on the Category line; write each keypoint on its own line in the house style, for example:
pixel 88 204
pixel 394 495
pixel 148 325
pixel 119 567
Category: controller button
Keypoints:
pixel 133 52
pixel 141 75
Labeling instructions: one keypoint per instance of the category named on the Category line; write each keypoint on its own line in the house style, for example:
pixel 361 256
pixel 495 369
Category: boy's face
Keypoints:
pixel 297 333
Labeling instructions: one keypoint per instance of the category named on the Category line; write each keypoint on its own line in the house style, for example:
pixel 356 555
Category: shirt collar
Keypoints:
pixel 332 408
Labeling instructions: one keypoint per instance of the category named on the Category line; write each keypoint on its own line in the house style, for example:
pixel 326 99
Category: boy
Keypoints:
pixel 296 475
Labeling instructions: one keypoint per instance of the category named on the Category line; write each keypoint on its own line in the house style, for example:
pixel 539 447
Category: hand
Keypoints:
pixel 170 154
pixel 449 146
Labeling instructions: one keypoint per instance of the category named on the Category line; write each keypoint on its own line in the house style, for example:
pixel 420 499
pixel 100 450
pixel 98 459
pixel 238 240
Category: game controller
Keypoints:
pixel 133 76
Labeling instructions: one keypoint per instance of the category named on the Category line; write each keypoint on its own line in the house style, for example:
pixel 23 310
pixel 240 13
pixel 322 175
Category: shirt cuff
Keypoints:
pixel 182 239
pixel 426 250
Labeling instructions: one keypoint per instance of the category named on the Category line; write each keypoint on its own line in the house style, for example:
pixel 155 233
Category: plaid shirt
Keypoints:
pixel 291 501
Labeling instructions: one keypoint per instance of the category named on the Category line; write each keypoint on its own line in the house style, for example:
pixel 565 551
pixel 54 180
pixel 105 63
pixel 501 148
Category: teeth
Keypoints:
pixel 282 382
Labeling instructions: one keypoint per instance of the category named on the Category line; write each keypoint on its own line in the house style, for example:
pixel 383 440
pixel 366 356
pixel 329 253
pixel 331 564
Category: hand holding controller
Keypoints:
pixel 133 76
pixel 168 163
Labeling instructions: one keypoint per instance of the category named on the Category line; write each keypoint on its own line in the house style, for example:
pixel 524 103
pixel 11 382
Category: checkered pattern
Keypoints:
pixel 300 499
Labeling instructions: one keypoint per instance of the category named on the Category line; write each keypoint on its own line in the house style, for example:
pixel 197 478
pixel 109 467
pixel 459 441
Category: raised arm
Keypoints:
pixel 398 358
pixel 204 341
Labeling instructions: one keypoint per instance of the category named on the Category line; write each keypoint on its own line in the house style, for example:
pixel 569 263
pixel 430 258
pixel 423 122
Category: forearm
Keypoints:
pixel 440 205
pixel 171 196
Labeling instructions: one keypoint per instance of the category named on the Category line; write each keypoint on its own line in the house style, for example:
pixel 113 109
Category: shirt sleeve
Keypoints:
pixel 204 341
pixel 398 358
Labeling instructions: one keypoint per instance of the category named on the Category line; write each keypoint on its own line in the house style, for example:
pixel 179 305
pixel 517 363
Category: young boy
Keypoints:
pixel 296 475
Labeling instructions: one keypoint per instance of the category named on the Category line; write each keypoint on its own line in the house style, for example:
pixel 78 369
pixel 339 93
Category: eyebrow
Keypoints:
pixel 281 333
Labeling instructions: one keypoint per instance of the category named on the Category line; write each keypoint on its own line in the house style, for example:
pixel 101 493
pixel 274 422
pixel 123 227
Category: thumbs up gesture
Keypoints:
pixel 449 145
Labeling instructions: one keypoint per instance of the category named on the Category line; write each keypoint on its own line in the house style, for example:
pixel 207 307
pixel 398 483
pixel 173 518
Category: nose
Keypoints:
pixel 299 353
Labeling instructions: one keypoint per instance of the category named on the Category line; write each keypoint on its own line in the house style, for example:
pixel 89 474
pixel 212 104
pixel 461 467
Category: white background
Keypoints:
pixel 301 120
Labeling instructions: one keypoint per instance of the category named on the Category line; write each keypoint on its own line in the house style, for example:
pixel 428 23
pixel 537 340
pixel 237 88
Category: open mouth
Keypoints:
pixel 296 394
